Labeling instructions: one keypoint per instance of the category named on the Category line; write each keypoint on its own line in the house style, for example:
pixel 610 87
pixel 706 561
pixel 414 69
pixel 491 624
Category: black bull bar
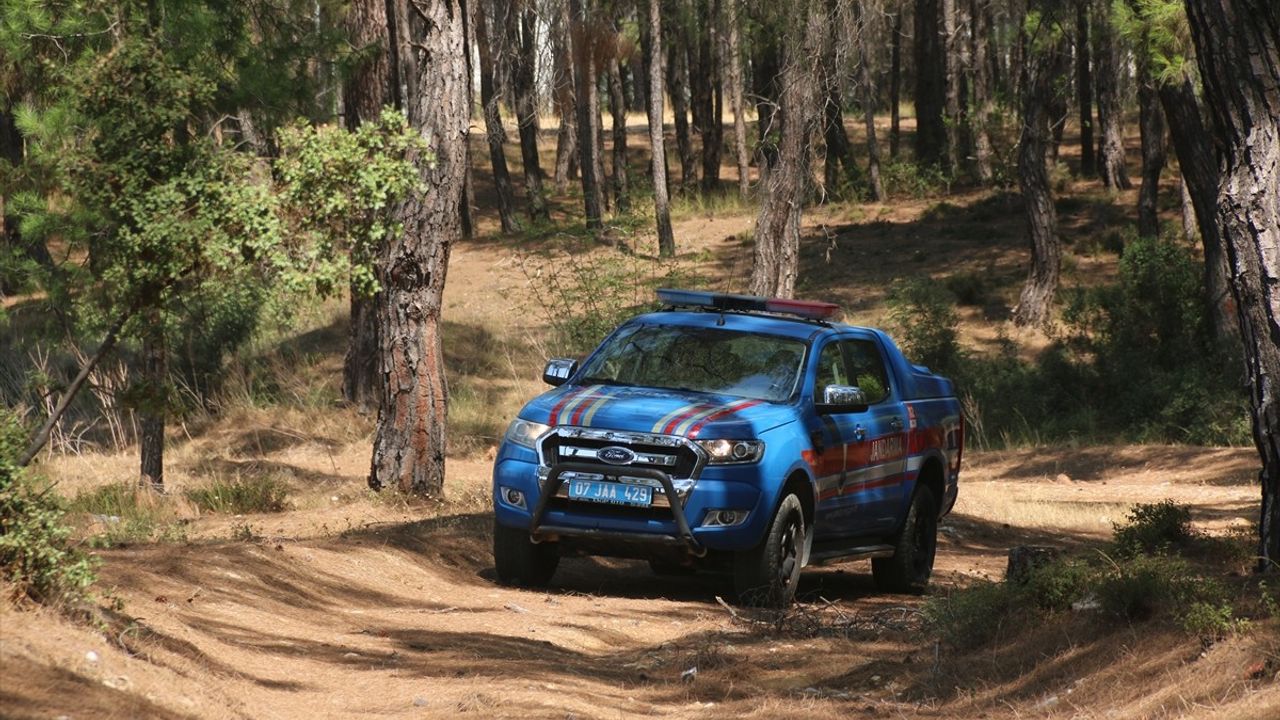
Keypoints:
pixel 551 485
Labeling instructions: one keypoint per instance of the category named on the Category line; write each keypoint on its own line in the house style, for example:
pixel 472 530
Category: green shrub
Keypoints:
pixel 923 312
pixel 970 288
pixel 36 554
pixel 126 512
pixel 241 496
pixel 973 616
pixel 1058 585
pixel 902 178
pixel 1153 527
pixel 1211 620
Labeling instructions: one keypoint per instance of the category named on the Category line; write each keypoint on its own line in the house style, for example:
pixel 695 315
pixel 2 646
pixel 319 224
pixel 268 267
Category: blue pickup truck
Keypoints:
pixel 732 432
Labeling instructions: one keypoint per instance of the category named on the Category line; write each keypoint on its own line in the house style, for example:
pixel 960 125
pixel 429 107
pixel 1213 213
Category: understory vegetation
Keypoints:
pixel 1157 569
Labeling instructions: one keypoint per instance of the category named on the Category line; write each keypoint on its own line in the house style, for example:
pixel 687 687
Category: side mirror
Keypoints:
pixel 559 370
pixel 842 399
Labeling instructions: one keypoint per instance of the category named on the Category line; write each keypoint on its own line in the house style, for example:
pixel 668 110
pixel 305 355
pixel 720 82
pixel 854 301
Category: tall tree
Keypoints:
pixel 951 68
pixel 409 446
pixel 678 88
pixel 1084 89
pixel 564 89
pixel 983 107
pixel 707 89
pixel 777 251
pixel 1108 79
pixel 661 203
pixel 1152 126
pixel 1238 51
pixel 931 84
pixel 1042 69
pixel 588 104
pixel 875 188
pixel 895 83
pixel 523 48
pixel 618 110
pixel 495 134
pixel 733 51
pixel 368 89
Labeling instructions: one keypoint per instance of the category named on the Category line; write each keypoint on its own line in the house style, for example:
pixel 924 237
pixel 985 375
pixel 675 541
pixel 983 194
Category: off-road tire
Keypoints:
pixel 908 570
pixel 518 561
pixel 767 575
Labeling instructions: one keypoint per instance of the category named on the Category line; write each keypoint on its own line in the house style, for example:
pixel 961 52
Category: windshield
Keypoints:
pixel 760 367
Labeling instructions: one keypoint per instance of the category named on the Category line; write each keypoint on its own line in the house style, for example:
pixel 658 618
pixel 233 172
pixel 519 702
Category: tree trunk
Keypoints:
pixel 677 81
pixel 1110 69
pixel 838 163
pixel 980 35
pixel 875 189
pixel 734 52
pixel 931 85
pixel 495 135
pixel 951 68
pixel 155 371
pixel 776 262
pixel 564 96
pixel 369 88
pixel 524 50
pixel 661 203
pixel 1151 124
pixel 1238 51
pixel 1041 73
pixel 1084 90
pixel 704 80
pixel 588 103
pixel 1197 160
pixel 618 110
pixel 409 447
pixel 895 84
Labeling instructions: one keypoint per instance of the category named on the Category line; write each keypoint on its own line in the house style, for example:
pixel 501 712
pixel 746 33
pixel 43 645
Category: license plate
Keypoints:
pixel 611 493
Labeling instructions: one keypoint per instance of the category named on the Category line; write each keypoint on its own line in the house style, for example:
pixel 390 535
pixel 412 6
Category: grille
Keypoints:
pixel 672 455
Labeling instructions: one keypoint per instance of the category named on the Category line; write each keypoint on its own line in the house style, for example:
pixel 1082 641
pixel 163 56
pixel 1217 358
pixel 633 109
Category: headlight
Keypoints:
pixel 525 432
pixel 721 452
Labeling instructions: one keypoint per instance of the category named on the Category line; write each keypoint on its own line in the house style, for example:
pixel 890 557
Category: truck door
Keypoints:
pixel 858 455
pixel 875 474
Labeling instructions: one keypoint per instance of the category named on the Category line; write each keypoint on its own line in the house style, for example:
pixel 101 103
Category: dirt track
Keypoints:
pixel 401 618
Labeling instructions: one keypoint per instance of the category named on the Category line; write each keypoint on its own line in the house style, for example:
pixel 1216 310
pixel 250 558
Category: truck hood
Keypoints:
pixel 655 410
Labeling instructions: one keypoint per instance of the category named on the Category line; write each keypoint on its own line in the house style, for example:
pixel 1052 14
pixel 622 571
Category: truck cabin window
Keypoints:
pixel 866 367
pixel 725 362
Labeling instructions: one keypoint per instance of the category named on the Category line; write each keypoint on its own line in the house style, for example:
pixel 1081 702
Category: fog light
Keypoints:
pixel 513 496
pixel 724 518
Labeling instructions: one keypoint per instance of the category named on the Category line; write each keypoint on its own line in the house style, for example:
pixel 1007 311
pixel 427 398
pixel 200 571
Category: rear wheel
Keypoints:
pixel 908 570
pixel 518 561
pixel 768 574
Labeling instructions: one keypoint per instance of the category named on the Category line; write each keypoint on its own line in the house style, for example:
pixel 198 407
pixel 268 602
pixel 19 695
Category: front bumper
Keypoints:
pixel 678 525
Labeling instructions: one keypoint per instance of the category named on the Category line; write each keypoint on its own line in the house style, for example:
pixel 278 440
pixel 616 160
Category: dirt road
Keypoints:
pixel 386 615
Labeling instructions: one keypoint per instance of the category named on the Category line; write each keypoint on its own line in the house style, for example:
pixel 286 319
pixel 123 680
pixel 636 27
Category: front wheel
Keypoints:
pixel 768 574
pixel 908 570
pixel 518 561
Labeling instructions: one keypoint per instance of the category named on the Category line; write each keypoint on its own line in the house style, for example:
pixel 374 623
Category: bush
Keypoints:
pixel 907 178
pixel 127 512
pixel 970 288
pixel 973 616
pixel 36 555
pixel 241 496
pixel 1153 527
pixel 922 312
pixel 1060 584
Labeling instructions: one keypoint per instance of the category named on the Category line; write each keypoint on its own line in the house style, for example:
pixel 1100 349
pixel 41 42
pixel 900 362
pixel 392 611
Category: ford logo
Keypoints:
pixel 615 455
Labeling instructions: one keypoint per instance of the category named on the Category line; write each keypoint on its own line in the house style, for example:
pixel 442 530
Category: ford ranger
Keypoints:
pixel 733 432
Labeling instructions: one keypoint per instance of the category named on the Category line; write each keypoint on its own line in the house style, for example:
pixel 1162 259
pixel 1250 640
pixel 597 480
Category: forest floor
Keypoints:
pixel 355 604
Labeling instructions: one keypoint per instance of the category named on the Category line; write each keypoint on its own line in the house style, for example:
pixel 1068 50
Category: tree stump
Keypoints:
pixel 1023 559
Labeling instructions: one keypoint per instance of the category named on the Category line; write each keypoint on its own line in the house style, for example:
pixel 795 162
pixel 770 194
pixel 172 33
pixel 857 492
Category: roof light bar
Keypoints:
pixel 809 309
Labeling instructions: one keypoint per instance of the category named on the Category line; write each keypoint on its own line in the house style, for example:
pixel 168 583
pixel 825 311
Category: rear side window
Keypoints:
pixel 866 369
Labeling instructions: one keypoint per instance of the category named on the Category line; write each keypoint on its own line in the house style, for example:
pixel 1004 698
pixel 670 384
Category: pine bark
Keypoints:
pixel 895 85
pixel 980 50
pixel 951 69
pixel 931 85
pixel 1197 160
pixel 155 371
pixel 1238 52
pixel 588 103
pixel 875 188
pixel 1109 59
pixel 524 50
pixel 563 93
pixel 1152 126
pixel 678 86
pixel 661 203
pixel 777 251
pixel 1084 90
pixel 369 88
pixel 409 446
pixel 1041 75
pixel 495 134
pixel 618 113
pixel 734 52
pixel 704 80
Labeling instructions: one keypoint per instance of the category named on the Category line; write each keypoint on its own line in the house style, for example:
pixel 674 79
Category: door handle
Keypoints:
pixel 859 433
pixel 896 423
